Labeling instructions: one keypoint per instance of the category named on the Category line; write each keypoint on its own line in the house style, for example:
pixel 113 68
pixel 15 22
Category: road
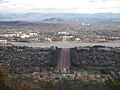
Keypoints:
pixel 64 60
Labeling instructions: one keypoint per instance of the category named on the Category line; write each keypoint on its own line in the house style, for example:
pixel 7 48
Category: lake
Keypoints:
pixel 66 45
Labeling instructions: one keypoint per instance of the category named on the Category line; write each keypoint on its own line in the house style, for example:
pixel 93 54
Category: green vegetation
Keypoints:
pixel 113 84
pixel 63 84
pixel 4 79
pixel 96 59
pixel 55 54
pixel 28 61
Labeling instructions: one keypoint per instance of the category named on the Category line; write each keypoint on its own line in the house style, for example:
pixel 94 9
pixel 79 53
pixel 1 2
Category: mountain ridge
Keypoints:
pixel 57 17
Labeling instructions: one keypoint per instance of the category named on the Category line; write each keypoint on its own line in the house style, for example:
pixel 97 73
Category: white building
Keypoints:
pixel 25 36
pixel 67 38
pixel 77 39
pixel 3 41
pixel 63 33
pixel 33 34
pixel 48 39
pixel 100 40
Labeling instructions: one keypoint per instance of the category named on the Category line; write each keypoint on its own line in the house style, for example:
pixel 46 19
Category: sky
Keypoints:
pixel 60 6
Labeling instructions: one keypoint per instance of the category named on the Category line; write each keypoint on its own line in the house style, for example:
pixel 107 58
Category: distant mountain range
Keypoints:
pixel 54 20
pixel 62 17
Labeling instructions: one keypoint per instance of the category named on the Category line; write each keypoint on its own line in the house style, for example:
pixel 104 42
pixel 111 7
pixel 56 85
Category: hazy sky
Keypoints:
pixel 60 6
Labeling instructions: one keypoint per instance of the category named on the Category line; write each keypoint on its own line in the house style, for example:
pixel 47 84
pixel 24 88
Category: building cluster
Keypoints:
pixel 50 32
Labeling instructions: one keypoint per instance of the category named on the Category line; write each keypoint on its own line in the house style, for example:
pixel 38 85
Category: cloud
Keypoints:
pixel 93 1
pixel 1 1
pixel 52 10
pixel 77 6
pixel 4 1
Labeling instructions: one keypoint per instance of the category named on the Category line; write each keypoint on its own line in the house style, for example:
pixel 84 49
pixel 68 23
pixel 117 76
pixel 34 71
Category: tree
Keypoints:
pixel 4 79
pixel 113 84
pixel 50 85
pixel 23 85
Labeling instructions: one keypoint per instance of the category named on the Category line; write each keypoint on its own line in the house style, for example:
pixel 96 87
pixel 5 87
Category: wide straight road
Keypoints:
pixel 64 60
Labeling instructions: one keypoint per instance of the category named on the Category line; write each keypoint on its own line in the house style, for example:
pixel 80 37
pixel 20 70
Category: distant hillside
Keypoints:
pixel 62 17
pixel 54 20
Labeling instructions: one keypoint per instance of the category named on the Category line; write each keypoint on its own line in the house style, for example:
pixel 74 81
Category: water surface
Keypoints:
pixel 65 45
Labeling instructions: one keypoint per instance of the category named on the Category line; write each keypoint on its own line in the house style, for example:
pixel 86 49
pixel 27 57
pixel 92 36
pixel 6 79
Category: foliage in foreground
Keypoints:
pixel 113 84
pixel 64 84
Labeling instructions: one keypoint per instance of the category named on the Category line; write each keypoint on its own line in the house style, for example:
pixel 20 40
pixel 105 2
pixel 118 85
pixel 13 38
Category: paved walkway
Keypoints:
pixel 63 64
